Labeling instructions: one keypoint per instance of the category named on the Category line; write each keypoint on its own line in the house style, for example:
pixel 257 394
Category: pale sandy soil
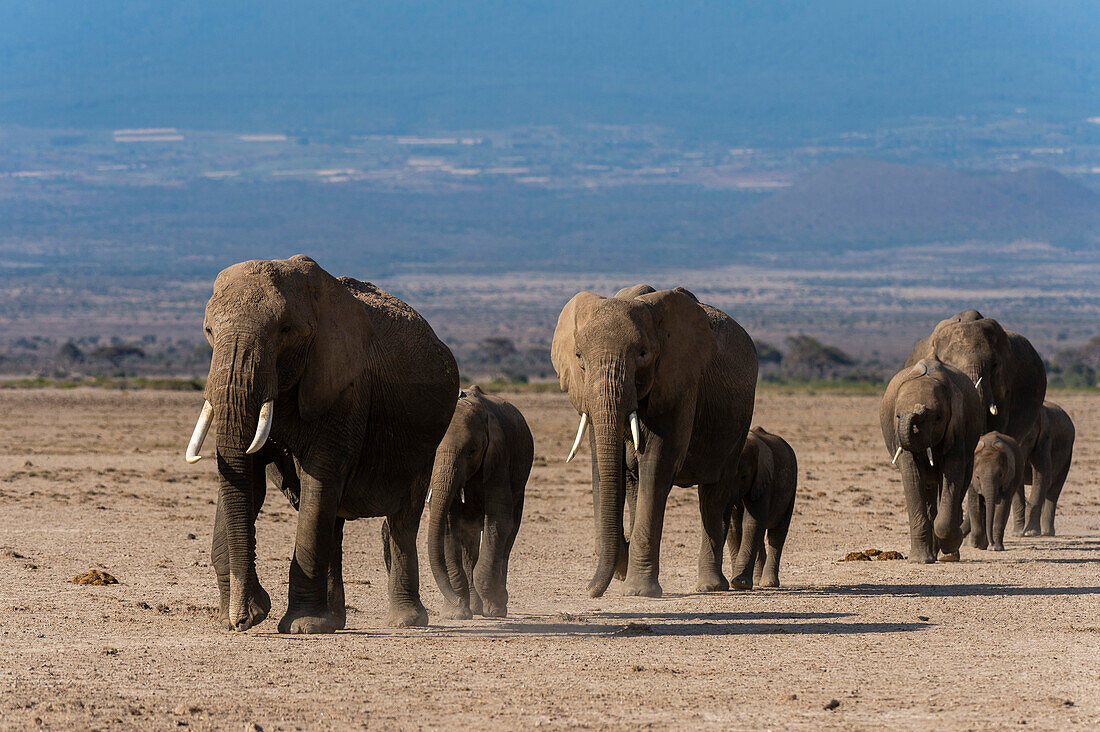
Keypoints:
pixel 94 479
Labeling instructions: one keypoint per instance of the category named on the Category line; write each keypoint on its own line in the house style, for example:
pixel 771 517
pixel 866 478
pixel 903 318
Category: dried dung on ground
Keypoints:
pixel 94 577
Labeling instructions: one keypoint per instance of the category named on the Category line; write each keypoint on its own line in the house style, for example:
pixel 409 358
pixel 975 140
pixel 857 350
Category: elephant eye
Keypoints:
pixel 285 329
pixel 580 360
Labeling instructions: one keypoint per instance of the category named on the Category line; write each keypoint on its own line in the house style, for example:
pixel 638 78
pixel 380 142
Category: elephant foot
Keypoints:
pixel 257 608
pixel 1047 531
pixel 341 618
pixel 453 612
pixel 769 580
pixel 1030 532
pixel 622 562
pixel 712 583
pixel 642 588
pixel 978 542
pixel 308 621
pixel 741 582
pixel 477 607
pixel 492 610
pixel 950 556
pixel 998 547
pixel 406 616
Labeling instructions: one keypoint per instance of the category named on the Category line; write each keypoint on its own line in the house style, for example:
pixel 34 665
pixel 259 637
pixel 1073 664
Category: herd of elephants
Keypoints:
pixel 343 396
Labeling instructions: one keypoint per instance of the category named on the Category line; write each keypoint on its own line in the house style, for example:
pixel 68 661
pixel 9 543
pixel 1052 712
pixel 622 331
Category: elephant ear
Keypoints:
pixel 338 351
pixel 495 449
pixel 629 293
pixel 563 351
pixel 686 346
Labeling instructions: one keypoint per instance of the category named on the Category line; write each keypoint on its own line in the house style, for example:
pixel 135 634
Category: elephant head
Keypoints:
pixel 978 347
pixel 287 339
pixel 995 472
pixel 474 445
pixel 627 361
pixel 926 410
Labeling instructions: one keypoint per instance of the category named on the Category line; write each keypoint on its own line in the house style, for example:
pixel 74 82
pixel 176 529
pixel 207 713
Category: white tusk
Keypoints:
pixel 201 428
pixel 636 432
pixel 993 409
pixel 978 382
pixel 263 427
pixel 580 436
pixel 896 456
pixel 930 460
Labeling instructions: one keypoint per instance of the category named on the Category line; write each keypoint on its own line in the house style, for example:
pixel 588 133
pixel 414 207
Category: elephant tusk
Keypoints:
pixel 993 409
pixel 636 432
pixel 202 426
pixel 263 427
pixel 580 436
pixel 930 460
pixel 978 382
pixel 896 456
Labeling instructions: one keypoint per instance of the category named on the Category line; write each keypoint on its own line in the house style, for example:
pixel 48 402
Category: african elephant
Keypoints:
pixel 998 474
pixel 353 386
pixel 484 461
pixel 767 476
pixel 679 379
pixel 931 421
pixel 1049 448
pixel 1003 366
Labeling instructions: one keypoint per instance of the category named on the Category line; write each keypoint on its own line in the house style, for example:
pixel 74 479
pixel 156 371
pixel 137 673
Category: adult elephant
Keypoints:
pixel 352 385
pixel 678 377
pixel 1005 368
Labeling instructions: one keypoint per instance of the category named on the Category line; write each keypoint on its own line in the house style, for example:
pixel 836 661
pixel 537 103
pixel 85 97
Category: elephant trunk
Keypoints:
pixel 989 498
pixel 609 411
pixel 444 486
pixel 236 389
pixel 910 436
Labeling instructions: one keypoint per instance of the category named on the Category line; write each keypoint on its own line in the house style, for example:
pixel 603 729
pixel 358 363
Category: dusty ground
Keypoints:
pixel 97 480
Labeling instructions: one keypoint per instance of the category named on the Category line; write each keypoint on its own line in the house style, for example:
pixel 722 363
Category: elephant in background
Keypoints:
pixel 998 473
pixel 1004 367
pixel 352 391
pixel 677 379
pixel 1049 448
pixel 483 461
pixel 931 419
pixel 767 477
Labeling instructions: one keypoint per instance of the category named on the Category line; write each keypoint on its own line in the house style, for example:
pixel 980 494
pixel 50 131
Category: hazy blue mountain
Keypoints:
pixel 758 69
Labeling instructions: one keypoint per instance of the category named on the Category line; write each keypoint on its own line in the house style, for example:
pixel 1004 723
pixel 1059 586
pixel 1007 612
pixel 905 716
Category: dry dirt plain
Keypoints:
pixel 96 479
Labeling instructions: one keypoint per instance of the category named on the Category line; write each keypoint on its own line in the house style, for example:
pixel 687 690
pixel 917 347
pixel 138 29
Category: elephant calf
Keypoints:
pixel 483 462
pixel 931 420
pixel 998 474
pixel 767 475
pixel 1050 451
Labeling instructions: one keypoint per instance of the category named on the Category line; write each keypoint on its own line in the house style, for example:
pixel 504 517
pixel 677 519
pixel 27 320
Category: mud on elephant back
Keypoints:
pixel 346 387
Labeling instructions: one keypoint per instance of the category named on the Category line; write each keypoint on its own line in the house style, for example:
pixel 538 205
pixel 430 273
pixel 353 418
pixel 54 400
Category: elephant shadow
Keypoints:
pixel 942 590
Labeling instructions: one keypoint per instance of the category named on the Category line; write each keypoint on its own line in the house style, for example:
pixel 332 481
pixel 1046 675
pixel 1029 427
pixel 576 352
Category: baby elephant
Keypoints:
pixel 1049 447
pixel 764 500
pixel 476 501
pixel 998 474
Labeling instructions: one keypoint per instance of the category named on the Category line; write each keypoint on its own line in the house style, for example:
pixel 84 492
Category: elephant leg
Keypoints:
pixel 919 503
pixel 1000 521
pixel 713 500
pixel 1050 502
pixel 517 516
pixel 336 604
pixel 1019 508
pixel 489 570
pixel 469 540
pixel 752 536
pixel 975 516
pixel 776 537
pixel 260 601
pixel 308 604
pixel 733 534
pixel 644 563
pixel 758 565
pixel 452 554
pixel 1041 476
pixel 404 576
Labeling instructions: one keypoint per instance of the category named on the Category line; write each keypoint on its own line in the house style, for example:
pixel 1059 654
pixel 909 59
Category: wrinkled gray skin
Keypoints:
pixel 932 407
pixel 363 392
pixel 1049 448
pixel 689 370
pixel 1013 378
pixel 478 481
pixel 998 474
pixel 767 476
